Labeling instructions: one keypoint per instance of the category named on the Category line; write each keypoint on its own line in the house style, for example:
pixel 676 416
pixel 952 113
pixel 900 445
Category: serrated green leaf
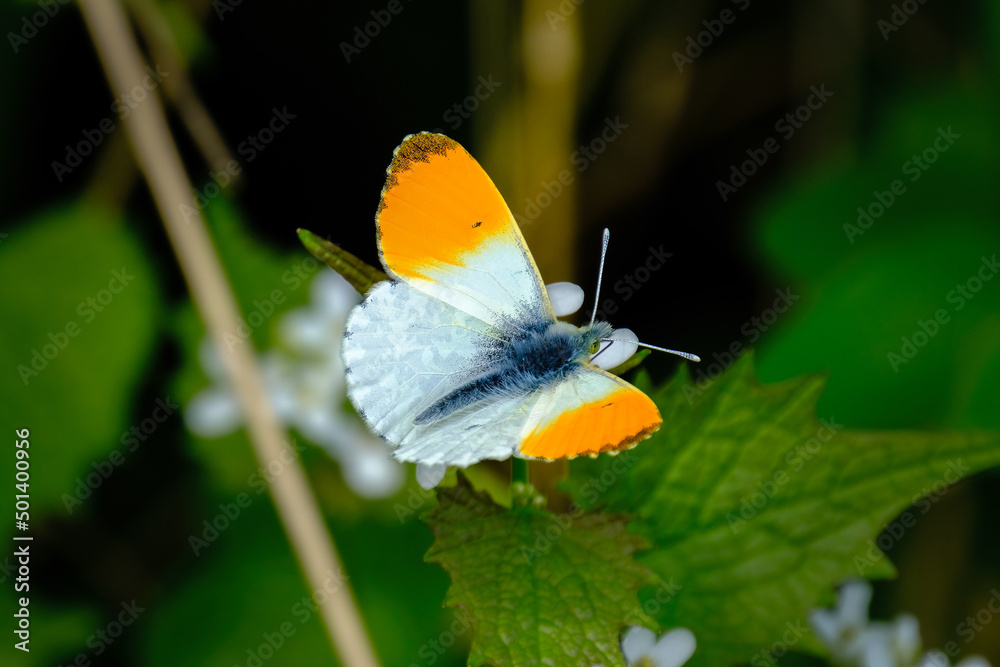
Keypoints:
pixel 539 589
pixel 758 508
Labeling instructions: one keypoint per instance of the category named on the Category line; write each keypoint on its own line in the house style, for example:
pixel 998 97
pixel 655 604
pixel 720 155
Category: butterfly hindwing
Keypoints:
pixel 444 229
pixel 590 411
pixel 402 348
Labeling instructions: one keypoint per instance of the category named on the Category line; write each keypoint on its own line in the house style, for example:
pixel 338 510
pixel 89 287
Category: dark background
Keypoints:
pixel 655 185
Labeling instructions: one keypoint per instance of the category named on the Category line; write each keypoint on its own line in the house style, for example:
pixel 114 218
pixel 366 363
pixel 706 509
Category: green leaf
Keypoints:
pixel 538 588
pixel 758 509
pixel 867 288
pixel 80 321
pixel 361 275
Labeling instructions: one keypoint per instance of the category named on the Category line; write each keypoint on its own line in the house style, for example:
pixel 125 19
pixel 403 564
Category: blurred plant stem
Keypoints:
pixel 519 471
pixel 160 162
pixel 115 173
pixel 165 51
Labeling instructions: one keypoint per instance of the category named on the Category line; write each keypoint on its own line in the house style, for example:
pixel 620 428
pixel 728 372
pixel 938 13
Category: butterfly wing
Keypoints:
pixel 402 351
pixel 444 229
pixel 464 285
pixel 589 411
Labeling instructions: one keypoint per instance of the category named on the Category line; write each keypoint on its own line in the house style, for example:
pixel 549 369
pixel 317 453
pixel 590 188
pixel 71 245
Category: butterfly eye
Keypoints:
pixel 595 346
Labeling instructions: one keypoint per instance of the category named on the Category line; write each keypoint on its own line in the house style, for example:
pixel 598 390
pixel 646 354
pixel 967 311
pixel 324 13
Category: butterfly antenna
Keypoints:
pixel 600 272
pixel 686 355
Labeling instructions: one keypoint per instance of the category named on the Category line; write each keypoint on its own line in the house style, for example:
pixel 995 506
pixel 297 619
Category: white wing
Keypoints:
pixel 403 351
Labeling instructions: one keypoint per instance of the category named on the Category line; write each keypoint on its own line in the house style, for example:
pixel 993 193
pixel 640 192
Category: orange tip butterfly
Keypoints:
pixel 460 357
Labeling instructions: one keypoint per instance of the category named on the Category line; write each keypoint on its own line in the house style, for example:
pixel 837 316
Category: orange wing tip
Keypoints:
pixel 417 148
pixel 567 436
pixel 610 449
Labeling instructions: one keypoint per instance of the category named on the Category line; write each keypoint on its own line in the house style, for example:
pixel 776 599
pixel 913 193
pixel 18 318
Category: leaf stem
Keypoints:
pixel 518 471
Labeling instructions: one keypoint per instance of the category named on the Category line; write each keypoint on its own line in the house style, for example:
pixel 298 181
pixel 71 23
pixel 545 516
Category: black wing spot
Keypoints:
pixel 476 224
pixel 607 405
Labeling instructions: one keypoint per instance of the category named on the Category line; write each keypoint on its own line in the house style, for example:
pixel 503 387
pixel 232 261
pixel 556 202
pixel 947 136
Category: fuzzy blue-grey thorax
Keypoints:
pixel 533 358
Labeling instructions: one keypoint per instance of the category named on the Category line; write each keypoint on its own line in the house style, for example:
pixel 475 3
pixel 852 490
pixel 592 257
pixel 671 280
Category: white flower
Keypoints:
pixel 641 648
pixel 853 639
pixel 429 476
pixel 305 382
pixel 566 299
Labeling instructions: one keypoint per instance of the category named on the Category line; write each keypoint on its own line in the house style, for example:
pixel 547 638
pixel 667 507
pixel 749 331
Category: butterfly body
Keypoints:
pixel 547 352
pixel 460 357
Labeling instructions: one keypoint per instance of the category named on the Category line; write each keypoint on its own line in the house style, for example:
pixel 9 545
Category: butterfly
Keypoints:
pixel 460 357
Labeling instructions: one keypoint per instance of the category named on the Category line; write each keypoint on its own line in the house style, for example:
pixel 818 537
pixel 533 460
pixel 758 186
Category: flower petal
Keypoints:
pixel 616 352
pixel 637 643
pixel 906 638
pixel 939 659
pixel 213 413
pixel 303 330
pixel 429 476
pixel 674 648
pixel 852 603
pixel 826 624
pixel 371 473
pixel 876 650
pixel 566 298
pixel 331 294
pixel 974 661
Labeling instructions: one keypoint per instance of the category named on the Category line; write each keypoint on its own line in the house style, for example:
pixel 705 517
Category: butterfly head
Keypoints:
pixel 589 336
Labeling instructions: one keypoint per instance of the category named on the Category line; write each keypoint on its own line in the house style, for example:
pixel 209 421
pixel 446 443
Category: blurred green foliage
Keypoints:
pixel 866 291
pixel 78 333
pixel 131 538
